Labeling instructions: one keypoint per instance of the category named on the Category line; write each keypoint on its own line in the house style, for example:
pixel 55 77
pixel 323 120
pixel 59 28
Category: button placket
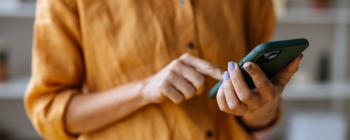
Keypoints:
pixel 187 29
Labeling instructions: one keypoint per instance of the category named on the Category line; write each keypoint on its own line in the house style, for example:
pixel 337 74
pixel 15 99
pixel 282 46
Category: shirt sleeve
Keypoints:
pixel 260 22
pixel 57 67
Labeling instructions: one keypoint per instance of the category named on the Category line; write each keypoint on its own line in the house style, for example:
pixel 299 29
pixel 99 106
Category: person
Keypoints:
pixel 140 70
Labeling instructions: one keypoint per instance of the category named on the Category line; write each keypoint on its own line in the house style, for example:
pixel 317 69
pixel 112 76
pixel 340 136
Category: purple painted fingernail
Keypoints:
pixel 226 75
pixel 231 66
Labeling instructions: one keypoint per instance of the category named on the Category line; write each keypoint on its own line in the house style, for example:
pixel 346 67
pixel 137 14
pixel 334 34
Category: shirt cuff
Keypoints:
pixel 49 116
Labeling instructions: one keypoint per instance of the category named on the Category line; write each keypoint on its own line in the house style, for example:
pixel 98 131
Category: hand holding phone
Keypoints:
pixel 271 57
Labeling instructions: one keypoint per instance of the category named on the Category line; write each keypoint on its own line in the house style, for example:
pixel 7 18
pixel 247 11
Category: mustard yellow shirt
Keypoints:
pixel 86 46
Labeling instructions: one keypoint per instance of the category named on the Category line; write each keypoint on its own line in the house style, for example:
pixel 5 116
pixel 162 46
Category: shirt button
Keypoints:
pixel 209 134
pixel 191 45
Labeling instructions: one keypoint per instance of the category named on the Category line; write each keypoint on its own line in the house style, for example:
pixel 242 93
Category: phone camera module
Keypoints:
pixel 269 56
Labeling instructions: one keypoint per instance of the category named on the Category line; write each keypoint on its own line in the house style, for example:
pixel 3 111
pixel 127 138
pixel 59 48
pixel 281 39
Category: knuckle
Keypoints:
pixel 179 101
pixel 246 97
pixel 189 96
pixel 212 68
pixel 185 56
pixel 167 95
pixel 163 86
pixel 192 90
pixel 263 83
pixel 199 90
pixel 174 98
pixel 165 90
pixel 170 74
pixel 175 63
pixel 233 106
pixel 220 106
pixel 223 108
pixel 199 82
pixel 200 79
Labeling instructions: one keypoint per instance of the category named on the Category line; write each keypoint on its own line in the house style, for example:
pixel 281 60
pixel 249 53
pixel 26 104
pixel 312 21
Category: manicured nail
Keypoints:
pixel 231 66
pixel 226 76
pixel 248 67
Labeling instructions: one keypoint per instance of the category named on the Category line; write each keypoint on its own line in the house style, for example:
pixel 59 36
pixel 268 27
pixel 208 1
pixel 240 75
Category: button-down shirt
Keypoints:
pixel 86 46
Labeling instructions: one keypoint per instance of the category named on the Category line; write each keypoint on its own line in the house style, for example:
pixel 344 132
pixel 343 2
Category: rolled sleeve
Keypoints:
pixel 57 67
pixel 47 113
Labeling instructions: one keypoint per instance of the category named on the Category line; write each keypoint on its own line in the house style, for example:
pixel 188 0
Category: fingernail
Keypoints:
pixel 248 66
pixel 231 66
pixel 226 75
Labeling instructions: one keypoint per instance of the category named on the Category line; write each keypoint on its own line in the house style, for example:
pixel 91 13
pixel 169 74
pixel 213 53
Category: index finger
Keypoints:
pixel 202 66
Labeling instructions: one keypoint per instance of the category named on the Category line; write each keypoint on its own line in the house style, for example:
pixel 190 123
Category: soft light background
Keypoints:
pixel 316 103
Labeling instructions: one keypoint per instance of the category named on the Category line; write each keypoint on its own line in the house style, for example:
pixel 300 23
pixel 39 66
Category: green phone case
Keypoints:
pixel 271 57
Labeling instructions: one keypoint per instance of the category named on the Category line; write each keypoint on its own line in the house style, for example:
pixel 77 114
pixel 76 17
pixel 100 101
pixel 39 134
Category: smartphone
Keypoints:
pixel 271 57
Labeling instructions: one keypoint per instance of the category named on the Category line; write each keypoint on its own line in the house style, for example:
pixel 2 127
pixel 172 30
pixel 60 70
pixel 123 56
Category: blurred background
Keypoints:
pixel 316 103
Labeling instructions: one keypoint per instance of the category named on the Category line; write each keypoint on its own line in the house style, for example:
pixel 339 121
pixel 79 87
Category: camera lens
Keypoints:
pixel 271 55
pixel 268 56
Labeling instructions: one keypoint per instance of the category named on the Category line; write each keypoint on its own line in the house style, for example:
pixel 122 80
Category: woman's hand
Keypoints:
pixel 258 106
pixel 180 80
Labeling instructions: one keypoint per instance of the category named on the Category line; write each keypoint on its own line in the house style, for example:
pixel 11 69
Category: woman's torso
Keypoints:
pixel 127 40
